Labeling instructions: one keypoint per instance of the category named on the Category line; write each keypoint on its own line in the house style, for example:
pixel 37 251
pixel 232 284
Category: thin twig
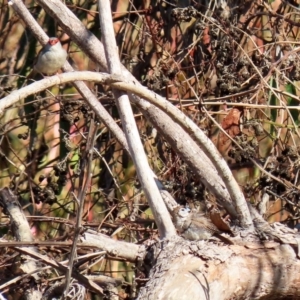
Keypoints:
pixel 86 173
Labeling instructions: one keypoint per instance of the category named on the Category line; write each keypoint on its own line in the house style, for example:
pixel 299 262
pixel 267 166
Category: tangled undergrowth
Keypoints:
pixel 232 67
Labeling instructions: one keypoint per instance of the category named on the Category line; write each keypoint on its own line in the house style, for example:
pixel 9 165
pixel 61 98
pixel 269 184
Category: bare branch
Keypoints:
pixel 21 230
pixel 94 49
pixel 84 39
pixel 116 249
pixel 85 181
pixel 85 92
pixel 178 139
pixel 84 280
pixel 161 215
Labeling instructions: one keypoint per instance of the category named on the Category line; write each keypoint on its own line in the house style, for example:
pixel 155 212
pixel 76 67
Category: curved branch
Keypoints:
pixel 94 49
pixel 92 46
pixel 181 141
pixel 82 88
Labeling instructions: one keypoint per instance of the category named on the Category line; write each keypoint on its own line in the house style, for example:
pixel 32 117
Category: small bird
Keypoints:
pixel 195 226
pixel 50 58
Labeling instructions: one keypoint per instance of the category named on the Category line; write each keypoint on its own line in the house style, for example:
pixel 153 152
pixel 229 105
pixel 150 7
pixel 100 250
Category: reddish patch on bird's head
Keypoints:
pixel 53 41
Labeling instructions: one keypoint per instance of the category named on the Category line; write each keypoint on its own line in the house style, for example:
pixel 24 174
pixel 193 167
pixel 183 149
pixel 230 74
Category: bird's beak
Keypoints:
pixel 53 42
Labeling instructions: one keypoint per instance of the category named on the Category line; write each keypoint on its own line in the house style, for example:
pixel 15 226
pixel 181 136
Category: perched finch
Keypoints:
pixel 50 59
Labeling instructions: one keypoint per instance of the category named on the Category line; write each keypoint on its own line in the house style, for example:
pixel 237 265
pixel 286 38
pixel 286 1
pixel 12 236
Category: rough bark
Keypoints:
pixel 205 270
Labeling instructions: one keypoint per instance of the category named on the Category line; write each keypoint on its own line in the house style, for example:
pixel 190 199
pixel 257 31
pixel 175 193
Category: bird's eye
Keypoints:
pixel 183 212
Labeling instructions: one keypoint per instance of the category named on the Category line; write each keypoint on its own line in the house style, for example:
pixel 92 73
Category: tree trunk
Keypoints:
pixel 205 270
